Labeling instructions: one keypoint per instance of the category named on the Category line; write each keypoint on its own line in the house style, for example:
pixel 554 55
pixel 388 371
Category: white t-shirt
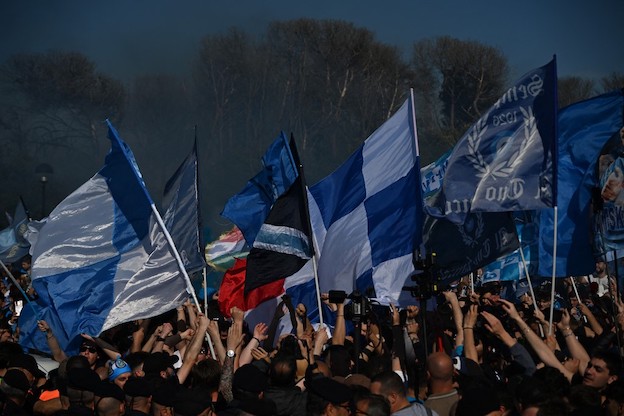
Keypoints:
pixel 603 284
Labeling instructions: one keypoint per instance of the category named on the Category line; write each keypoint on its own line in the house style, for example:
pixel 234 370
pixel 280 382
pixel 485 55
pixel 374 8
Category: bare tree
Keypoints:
pixel 573 89
pixel 53 107
pixel 613 81
pixel 456 81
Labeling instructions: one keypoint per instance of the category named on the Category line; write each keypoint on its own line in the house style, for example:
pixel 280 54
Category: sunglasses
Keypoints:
pixel 92 350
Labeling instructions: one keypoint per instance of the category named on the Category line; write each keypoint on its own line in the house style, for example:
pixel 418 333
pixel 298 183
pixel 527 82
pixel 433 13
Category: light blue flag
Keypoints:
pixel 182 213
pixel 584 128
pixel 367 218
pixel 13 244
pixel 505 162
pixel 100 258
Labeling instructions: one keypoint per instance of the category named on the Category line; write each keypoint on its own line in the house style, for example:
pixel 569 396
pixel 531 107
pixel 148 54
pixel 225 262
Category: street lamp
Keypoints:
pixel 43 171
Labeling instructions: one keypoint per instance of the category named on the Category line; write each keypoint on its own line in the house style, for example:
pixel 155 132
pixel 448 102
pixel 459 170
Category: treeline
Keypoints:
pixel 328 82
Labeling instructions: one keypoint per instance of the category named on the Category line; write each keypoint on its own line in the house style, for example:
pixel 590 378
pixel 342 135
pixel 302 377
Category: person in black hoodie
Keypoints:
pixel 288 398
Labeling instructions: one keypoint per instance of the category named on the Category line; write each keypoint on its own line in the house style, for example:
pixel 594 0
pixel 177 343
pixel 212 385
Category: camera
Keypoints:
pixel 425 276
pixel 337 296
pixel 359 307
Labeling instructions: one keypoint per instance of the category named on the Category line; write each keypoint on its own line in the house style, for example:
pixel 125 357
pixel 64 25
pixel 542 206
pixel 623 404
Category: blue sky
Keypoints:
pixel 130 37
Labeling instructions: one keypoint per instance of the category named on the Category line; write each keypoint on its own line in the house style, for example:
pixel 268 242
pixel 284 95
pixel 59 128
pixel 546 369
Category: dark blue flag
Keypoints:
pixel 181 202
pixel 510 267
pixel 249 208
pixel 463 248
pixel 505 162
pixel 584 128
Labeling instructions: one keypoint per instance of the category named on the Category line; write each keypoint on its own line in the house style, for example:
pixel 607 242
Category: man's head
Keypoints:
pixel 15 386
pixel 136 360
pixel 389 385
pixel 603 369
pixel 119 372
pixel 249 382
pixel 283 371
pixel 206 374
pixel 27 364
pixel 601 267
pixel 328 397
pixel 372 405
pixel 89 350
pixel 81 386
pixel 138 392
pixel 160 364
pixel 439 368
pixel 109 400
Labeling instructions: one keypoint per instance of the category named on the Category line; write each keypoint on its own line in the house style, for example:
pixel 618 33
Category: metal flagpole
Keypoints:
pixel 472 282
pixel 554 272
pixel 187 279
pixel 299 166
pixel 526 273
pixel 577 294
pixel 205 292
pixel 315 268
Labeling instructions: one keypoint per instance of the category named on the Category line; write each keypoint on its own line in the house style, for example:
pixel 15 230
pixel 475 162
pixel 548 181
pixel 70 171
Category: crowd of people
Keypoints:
pixel 464 353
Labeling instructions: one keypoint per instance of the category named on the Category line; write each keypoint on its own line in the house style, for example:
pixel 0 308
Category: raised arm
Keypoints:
pixel 591 319
pixel 340 330
pixel 518 352
pixel 541 349
pixel 574 346
pixel 57 352
pixel 259 335
pixel 470 350
pixel 138 336
pixel 193 349
pixel 458 318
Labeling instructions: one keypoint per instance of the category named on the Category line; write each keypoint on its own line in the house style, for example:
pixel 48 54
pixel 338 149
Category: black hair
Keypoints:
pixel 612 361
pixel 283 371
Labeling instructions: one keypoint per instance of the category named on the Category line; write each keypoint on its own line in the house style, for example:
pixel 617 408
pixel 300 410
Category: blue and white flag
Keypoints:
pixel 100 258
pixel 250 207
pixel 182 214
pixel 462 248
pixel 367 217
pixel 505 161
pixel 584 128
pixel 13 244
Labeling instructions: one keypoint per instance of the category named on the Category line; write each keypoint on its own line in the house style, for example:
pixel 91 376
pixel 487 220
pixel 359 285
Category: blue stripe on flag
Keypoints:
pixel 392 226
pixel 342 191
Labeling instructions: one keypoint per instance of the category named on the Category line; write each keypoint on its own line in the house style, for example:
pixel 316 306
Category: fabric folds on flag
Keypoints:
pixel 232 290
pixel 249 208
pixel 505 161
pixel 584 128
pixel 283 243
pixel 101 259
pixel 13 243
pixel 182 214
pixel 367 216
pixel 222 253
pixel 463 248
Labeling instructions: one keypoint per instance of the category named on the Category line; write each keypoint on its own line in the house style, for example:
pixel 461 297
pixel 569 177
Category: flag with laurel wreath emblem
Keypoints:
pixel 505 161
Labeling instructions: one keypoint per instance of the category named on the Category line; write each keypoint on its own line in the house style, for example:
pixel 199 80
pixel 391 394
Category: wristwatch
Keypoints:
pixel 231 353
